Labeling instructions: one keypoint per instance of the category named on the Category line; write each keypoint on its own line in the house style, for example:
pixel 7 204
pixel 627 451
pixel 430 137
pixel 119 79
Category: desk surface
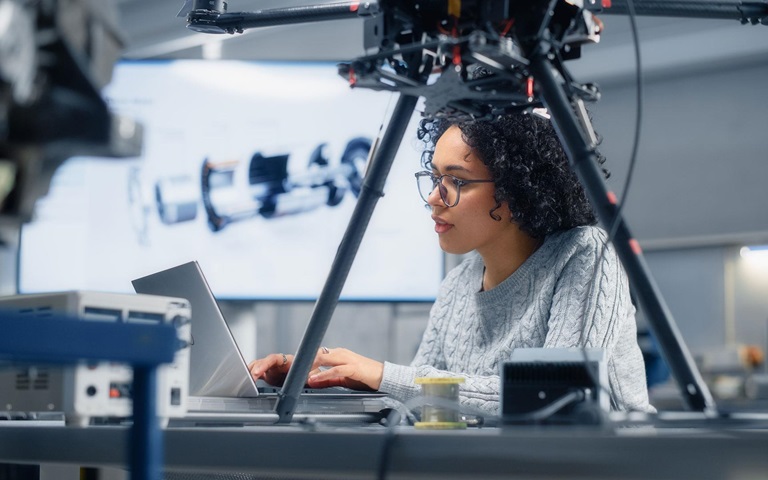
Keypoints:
pixel 355 452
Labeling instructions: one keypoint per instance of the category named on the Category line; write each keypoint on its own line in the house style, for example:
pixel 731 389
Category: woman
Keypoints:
pixel 539 275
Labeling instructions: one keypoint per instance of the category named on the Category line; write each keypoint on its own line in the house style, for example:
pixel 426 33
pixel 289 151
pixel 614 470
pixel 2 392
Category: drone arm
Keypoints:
pixel 746 12
pixel 212 21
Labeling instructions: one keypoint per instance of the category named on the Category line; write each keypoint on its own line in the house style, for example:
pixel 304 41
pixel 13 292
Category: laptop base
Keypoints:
pixel 334 408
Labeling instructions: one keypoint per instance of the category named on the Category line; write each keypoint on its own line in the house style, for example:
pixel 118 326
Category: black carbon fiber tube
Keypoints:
pixel 214 22
pixel 290 15
pixel 743 11
pixel 372 190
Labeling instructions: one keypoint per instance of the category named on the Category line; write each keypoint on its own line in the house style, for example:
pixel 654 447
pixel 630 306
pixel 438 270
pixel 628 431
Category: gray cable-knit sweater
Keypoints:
pixel 553 300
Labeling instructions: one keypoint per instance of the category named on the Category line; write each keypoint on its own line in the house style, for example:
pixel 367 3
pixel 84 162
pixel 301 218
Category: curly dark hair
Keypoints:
pixel 529 167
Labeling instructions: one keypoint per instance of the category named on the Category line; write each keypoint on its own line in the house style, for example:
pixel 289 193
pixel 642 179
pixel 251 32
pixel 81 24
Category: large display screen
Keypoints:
pixel 253 170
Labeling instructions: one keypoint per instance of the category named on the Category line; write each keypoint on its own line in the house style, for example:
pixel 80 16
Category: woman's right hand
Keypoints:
pixel 272 369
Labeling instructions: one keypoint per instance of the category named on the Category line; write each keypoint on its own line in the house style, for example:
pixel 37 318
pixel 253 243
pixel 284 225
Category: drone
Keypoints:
pixel 435 48
pixel 477 48
pixel 475 60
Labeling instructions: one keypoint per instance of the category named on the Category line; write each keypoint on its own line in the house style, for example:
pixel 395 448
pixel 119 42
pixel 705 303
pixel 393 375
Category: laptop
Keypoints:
pixel 220 386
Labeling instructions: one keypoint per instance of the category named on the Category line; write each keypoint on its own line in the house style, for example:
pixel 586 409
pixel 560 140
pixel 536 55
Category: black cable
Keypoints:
pixel 638 118
pixel 395 416
pixel 628 179
pixel 538 416
pixel 636 140
pixel 389 439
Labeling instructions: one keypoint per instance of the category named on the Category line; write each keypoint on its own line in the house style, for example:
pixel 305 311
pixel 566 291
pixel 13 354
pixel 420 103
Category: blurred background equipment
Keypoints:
pixel 734 371
pixel 54 59
pixel 95 391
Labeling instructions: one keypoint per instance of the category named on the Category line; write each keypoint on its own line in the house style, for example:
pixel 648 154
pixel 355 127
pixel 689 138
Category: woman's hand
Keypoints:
pixel 272 368
pixel 345 369
pixel 340 368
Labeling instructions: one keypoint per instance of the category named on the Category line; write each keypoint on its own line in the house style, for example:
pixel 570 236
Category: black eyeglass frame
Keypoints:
pixel 437 181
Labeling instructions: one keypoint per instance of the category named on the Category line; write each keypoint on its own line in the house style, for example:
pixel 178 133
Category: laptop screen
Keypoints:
pixel 217 367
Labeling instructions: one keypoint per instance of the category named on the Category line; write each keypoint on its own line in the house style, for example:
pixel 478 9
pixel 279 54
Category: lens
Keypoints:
pixel 449 190
pixel 426 185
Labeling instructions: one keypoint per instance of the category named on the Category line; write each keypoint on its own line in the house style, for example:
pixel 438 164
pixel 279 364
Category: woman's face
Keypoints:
pixel 467 226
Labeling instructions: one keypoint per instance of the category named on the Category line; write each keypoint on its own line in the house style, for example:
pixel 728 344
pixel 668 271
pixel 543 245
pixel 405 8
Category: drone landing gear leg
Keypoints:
pixel 372 189
pixel 583 160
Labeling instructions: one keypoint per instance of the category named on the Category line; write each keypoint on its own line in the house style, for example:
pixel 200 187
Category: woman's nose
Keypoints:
pixel 434 198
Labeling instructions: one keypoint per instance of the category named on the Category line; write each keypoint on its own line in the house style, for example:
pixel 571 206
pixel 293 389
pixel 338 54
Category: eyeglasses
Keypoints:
pixel 449 189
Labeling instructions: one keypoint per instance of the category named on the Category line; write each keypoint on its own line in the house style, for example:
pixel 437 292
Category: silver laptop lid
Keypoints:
pixel 216 368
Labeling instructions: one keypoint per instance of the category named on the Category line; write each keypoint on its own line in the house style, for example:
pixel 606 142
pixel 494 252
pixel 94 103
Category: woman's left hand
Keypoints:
pixel 345 368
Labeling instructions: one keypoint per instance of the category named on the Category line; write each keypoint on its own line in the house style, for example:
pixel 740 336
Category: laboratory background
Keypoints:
pixel 696 202
pixel 215 107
